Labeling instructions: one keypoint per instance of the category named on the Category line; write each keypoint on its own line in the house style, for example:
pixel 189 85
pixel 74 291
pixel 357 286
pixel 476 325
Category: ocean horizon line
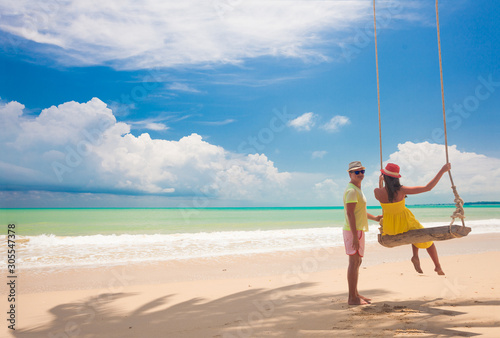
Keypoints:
pixel 429 205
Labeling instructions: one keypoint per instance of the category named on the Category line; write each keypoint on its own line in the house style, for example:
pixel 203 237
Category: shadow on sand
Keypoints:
pixel 289 311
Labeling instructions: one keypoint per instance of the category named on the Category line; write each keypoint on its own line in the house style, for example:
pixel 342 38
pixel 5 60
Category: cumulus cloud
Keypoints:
pixel 476 176
pixel 129 34
pixel 335 123
pixel 81 147
pixel 304 122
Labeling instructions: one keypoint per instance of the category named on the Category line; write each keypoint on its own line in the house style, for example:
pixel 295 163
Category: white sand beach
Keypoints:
pixel 286 294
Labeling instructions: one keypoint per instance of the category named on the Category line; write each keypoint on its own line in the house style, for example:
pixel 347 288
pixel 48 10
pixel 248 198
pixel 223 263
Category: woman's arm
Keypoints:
pixel 417 190
pixel 379 194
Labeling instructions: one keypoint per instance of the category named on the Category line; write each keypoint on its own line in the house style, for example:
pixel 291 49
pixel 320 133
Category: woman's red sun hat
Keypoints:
pixel 392 170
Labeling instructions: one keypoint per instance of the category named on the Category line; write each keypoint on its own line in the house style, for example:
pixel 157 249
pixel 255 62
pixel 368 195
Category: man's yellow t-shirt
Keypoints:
pixel 353 194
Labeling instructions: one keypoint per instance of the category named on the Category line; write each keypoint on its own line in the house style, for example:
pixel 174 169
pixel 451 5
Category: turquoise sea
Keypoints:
pixel 79 237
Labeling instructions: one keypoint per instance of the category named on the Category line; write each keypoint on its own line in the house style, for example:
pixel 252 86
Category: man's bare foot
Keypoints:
pixel 416 264
pixel 357 301
pixel 439 271
pixel 366 299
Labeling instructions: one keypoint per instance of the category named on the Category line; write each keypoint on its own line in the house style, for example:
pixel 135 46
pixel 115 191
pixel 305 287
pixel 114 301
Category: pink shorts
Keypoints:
pixel 348 239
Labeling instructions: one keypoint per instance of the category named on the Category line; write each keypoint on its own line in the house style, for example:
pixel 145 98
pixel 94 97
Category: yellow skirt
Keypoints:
pixel 398 219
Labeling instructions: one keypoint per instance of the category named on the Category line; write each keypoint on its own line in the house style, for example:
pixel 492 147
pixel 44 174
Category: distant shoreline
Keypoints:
pixel 450 205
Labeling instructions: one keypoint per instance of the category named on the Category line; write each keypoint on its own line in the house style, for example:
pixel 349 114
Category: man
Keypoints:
pixel 356 223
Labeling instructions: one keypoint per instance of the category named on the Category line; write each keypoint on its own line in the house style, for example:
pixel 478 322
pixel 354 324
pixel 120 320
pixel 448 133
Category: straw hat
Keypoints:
pixel 356 165
pixel 392 170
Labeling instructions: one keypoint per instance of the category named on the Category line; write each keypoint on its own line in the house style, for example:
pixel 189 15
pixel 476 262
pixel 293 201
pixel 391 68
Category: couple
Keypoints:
pixel 397 219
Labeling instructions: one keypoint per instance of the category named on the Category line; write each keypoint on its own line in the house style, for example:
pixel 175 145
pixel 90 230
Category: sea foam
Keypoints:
pixel 94 250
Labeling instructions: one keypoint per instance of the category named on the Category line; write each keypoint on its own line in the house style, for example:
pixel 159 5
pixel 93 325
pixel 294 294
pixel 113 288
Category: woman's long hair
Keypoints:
pixel 392 185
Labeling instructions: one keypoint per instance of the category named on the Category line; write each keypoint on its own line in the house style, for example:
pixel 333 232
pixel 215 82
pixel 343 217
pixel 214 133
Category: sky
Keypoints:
pixel 238 103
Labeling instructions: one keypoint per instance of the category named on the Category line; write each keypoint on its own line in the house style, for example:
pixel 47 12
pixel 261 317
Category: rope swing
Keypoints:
pixel 459 202
pixel 426 234
pixel 378 85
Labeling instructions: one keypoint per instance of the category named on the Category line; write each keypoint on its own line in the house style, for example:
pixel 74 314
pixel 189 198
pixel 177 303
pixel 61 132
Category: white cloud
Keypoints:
pixel 335 123
pixel 217 123
pixel 81 147
pixel 318 154
pixel 328 190
pixel 307 121
pixel 57 126
pixel 476 176
pixel 156 126
pixel 149 124
pixel 182 87
pixel 128 34
pixel 328 185
pixel 303 122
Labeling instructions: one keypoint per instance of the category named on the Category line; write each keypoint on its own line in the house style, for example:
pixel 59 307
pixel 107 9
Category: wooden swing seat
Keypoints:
pixel 441 233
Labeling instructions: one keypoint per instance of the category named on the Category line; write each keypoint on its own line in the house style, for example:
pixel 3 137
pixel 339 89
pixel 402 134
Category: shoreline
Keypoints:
pixel 57 251
pixel 237 266
pixel 287 294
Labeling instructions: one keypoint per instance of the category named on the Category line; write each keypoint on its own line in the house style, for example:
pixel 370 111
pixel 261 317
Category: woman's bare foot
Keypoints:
pixel 439 271
pixel 416 264
pixel 357 301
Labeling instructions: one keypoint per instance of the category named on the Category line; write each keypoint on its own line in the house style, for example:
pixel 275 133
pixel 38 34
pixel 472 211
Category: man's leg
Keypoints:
pixel 352 280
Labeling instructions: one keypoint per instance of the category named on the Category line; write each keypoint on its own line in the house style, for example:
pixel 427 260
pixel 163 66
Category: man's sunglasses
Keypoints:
pixel 357 172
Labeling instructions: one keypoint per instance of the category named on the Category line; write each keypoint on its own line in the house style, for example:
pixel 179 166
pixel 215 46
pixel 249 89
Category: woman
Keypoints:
pixel 397 218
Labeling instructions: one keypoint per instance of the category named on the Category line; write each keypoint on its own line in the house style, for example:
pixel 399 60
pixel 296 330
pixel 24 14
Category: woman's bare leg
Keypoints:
pixel 434 256
pixel 415 260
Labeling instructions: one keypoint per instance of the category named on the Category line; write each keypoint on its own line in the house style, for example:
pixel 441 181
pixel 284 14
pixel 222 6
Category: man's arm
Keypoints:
pixel 352 224
pixel 374 218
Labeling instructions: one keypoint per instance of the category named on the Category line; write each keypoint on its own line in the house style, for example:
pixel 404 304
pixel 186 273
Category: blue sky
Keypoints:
pixel 240 103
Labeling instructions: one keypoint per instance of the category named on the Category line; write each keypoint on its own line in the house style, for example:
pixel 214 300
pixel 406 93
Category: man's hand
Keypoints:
pixel 355 243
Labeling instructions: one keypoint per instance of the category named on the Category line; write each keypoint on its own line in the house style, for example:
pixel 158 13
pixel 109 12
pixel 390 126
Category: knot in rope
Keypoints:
pixel 459 203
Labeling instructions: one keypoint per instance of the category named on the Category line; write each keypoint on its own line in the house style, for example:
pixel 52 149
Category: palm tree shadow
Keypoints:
pixel 285 311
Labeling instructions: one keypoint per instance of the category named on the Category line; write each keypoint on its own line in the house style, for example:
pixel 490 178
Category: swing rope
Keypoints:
pixel 459 202
pixel 378 86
